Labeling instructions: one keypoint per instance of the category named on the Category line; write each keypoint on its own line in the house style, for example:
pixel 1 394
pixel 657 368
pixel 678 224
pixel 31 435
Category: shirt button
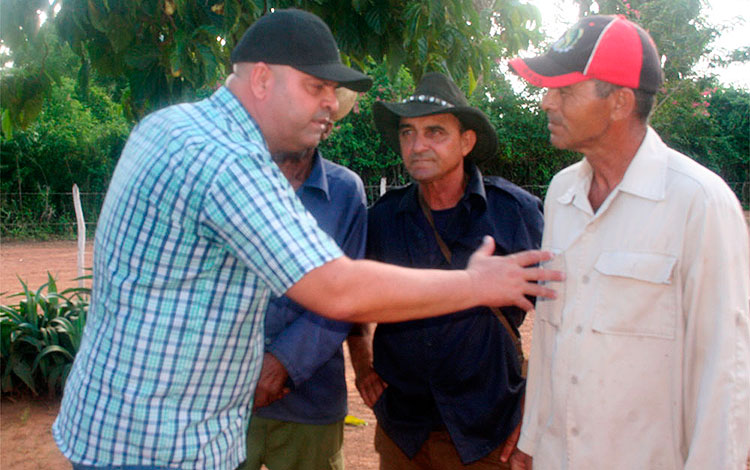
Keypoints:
pixel 574 380
pixel 268 341
pixel 574 431
pixel 579 329
pixel 590 228
pixel 586 279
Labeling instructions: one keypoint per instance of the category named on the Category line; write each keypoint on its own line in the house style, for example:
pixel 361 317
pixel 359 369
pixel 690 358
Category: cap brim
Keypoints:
pixel 544 72
pixel 345 76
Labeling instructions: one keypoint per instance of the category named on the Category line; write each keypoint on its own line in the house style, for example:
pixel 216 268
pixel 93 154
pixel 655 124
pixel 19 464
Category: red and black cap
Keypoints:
pixel 608 48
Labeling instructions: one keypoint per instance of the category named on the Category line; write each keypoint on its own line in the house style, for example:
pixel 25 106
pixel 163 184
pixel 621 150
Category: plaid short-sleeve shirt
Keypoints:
pixel 198 228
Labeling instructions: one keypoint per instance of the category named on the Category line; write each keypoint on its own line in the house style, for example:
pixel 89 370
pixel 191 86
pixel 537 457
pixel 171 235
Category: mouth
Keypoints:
pixel 551 124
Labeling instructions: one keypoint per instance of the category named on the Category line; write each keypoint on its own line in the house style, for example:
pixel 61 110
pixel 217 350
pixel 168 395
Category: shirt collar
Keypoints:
pixel 317 179
pixel 646 176
pixel 225 101
pixel 474 194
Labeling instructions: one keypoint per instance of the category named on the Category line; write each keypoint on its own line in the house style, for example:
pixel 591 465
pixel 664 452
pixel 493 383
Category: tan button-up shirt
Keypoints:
pixel 643 361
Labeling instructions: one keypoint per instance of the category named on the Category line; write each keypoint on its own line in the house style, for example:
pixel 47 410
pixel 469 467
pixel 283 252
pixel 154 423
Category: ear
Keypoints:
pixel 468 141
pixel 624 103
pixel 261 79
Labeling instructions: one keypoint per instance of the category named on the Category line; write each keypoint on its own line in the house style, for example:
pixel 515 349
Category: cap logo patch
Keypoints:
pixel 568 40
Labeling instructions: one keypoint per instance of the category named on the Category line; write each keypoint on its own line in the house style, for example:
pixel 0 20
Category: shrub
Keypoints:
pixel 40 336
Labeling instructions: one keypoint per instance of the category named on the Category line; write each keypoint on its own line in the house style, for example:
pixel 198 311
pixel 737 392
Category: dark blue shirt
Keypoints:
pixel 458 372
pixel 308 345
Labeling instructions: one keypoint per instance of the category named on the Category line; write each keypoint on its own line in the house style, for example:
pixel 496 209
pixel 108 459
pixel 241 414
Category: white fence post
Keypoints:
pixel 81 233
pixel 382 185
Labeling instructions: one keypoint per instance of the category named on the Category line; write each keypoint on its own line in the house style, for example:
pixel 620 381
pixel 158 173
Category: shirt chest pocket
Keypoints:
pixel 635 295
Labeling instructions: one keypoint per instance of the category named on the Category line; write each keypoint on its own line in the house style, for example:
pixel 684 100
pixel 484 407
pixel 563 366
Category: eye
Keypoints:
pixel 316 87
pixel 434 132
pixel 405 132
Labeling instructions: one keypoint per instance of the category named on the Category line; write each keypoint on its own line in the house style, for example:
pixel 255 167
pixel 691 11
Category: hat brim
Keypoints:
pixel 336 72
pixel 544 72
pixel 387 117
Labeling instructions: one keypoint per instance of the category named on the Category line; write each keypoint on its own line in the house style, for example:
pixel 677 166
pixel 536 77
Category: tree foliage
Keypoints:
pixel 75 140
pixel 167 50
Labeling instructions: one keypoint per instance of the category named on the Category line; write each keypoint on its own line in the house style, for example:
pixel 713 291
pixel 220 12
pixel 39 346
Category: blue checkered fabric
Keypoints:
pixel 198 228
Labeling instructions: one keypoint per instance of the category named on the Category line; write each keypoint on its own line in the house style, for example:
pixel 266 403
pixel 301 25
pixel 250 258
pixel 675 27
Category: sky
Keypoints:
pixel 558 15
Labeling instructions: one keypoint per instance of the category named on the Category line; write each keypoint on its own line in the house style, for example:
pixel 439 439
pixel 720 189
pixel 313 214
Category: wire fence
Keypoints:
pixel 31 214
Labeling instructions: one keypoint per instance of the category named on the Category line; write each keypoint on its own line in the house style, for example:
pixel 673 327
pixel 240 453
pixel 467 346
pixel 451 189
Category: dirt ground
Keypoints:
pixel 25 424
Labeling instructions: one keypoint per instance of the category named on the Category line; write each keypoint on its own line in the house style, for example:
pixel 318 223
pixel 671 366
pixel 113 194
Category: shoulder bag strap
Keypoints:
pixel 448 256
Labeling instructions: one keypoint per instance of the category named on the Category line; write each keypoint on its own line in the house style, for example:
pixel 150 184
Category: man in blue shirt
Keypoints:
pixel 446 391
pixel 199 227
pixel 300 399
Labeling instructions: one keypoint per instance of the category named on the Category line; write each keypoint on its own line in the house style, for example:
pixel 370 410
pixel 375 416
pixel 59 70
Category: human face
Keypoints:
pixel 433 147
pixel 302 106
pixel 578 118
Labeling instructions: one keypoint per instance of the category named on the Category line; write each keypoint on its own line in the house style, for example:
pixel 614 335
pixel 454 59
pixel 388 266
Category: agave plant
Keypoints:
pixel 39 336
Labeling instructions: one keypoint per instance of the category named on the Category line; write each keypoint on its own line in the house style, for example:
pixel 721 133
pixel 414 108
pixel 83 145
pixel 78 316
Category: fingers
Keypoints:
pixel 370 388
pixel 541 274
pixel 520 461
pixel 488 245
pixel 530 257
pixel 510 443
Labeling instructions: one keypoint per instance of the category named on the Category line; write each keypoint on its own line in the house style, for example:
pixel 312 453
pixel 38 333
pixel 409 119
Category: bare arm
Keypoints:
pixel 368 291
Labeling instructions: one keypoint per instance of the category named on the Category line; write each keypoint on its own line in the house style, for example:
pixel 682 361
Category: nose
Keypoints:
pixel 549 99
pixel 418 143
pixel 330 100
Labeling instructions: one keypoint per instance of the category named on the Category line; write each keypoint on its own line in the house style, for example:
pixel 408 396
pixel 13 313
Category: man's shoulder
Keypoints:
pixel 341 174
pixel 391 199
pixel 497 186
pixel 684 168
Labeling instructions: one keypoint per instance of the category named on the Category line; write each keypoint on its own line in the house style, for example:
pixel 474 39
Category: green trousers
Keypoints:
pixel 282 445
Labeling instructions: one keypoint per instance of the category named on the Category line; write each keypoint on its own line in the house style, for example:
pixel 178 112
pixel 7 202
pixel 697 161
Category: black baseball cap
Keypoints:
pixel 300 40
pixel 607 48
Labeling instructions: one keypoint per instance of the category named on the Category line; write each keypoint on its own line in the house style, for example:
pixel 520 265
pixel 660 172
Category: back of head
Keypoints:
pixel 300 40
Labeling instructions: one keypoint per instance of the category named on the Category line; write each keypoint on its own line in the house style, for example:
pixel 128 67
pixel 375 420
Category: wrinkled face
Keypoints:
pixel 577 117
pixel 302 106
pixel 434 147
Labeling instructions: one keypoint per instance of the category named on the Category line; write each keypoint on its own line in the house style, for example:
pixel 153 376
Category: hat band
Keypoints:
pixel 428 99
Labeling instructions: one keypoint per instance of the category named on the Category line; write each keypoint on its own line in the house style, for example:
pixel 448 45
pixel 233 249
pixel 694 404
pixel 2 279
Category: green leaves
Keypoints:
pixel 40 336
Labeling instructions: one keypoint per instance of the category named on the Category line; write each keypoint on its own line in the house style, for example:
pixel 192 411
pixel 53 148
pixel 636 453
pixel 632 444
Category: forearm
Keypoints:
pixel 359 342
pixel 368 291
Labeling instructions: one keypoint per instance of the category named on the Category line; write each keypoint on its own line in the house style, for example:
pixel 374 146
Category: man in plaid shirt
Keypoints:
pixel 199 228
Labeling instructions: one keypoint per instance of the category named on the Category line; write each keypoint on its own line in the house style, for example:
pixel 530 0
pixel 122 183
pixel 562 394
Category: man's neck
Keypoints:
pixel 444 193
pixel 295 167
pixel 610 162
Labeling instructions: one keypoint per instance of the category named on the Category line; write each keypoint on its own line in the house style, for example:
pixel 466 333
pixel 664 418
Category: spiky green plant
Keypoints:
pixel 39 336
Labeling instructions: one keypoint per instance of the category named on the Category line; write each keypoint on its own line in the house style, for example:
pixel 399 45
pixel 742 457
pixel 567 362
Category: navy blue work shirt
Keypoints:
pixel 308 345
pixel 458 372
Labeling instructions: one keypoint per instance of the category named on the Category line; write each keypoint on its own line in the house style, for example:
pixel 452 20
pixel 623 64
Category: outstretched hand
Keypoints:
pixel 507 280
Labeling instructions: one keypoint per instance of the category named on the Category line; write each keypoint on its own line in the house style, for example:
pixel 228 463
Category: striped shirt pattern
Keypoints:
pixel 198 229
